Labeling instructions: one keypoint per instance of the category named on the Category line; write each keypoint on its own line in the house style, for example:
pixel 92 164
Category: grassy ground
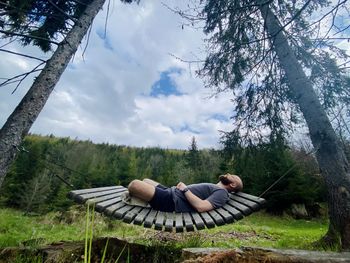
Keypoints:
pixel 259 229
pixel 265 230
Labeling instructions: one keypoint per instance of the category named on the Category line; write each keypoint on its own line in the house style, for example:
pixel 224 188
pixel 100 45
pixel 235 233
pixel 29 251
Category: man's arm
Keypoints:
pixel 199 204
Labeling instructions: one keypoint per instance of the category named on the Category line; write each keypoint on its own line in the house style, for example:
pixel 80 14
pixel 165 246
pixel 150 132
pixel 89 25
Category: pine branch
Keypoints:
pixel 29 36
pixel 62 11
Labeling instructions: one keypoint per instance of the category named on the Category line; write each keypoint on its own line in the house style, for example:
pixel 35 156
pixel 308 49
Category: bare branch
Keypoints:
pixel 21 76
pixel 23 55
pixel 329 12
pixel 186 61
pixel 8 43
pixel 88 40
pixel 35 69
pixel 106 20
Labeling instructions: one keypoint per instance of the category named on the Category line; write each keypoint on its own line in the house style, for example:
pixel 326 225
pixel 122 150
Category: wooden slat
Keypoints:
pixel 226 215
pixel 209 222
pixel 218 219
pixel 91 190
pixel 100 207
pixel 179 227
pixel 110 210
pixel 244 209
pixel 237 215
pixel 198 221
pixel 149 220
pixel 102 198
pixel 253 198
pixel 188 222
pixel 141 216
pixel 101 193
pixel 169 222
pixel 252 205
pixel 85 197
pixel 159 223
pixel 120 212
pixel 129 216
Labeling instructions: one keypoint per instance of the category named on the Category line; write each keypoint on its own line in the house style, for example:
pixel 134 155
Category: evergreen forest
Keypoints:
pixel 47 168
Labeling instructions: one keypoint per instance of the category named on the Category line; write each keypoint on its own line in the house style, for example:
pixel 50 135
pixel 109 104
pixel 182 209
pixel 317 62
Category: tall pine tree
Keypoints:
pixel 272 55
pixel 22 118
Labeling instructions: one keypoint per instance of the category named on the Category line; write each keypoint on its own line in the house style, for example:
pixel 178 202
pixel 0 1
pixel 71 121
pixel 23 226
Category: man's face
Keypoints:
pixel 232 182
pixel 226 179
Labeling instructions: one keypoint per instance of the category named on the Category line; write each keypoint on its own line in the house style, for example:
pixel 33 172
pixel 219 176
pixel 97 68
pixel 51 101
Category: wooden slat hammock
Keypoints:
pixel 108 200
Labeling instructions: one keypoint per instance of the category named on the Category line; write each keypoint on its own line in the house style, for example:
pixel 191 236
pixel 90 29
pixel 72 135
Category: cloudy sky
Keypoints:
pixel 127 88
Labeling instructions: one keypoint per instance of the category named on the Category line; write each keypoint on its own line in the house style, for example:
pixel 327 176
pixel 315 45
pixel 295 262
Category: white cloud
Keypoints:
pixel 103 95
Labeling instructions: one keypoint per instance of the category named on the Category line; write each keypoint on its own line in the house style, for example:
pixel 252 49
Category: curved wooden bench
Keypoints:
pixel 108 201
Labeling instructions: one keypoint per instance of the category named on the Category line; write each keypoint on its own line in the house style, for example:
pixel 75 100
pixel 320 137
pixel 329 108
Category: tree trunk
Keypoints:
pixel 22 118
pixel 330 156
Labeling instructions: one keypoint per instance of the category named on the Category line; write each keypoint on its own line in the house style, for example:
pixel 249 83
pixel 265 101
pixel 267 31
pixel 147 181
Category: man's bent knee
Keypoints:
pixel 134 186
pixel 141 190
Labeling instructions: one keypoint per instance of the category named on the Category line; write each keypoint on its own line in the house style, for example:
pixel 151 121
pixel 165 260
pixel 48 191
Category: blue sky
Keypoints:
pixel 126 88
pixel 165 86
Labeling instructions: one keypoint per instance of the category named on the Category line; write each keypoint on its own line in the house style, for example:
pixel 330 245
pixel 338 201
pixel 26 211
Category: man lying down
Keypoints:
pixel 200 197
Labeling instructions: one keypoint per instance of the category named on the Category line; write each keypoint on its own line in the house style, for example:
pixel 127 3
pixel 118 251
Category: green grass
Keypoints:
pixel 16 229
pixel 265 230
pixel 259 229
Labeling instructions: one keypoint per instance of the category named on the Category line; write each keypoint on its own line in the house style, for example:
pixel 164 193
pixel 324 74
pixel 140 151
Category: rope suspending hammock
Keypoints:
pixel 108 201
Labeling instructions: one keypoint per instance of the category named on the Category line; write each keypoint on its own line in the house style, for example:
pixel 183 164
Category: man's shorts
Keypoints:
pixel 163 199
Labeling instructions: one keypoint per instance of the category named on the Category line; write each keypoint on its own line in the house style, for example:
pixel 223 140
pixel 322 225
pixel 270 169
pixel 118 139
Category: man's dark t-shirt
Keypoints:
pixel 216 195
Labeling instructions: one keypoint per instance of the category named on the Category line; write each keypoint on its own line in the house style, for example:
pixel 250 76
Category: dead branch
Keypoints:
pixel 23 55
pixel 19 78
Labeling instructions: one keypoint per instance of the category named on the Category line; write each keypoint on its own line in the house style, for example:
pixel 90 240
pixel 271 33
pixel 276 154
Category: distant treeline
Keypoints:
pixel 35 182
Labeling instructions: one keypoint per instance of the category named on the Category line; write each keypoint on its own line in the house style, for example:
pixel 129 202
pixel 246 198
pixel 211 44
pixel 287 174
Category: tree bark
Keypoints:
pixel 22 118
pixel 330 156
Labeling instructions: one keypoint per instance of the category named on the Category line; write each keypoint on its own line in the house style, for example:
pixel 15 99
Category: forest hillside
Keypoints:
pixel 47 168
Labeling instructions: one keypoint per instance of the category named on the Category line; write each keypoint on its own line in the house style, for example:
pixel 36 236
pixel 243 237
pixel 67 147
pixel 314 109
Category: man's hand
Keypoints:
pixel 181 186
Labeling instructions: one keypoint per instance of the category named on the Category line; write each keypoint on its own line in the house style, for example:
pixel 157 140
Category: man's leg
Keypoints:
pixel 142 190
